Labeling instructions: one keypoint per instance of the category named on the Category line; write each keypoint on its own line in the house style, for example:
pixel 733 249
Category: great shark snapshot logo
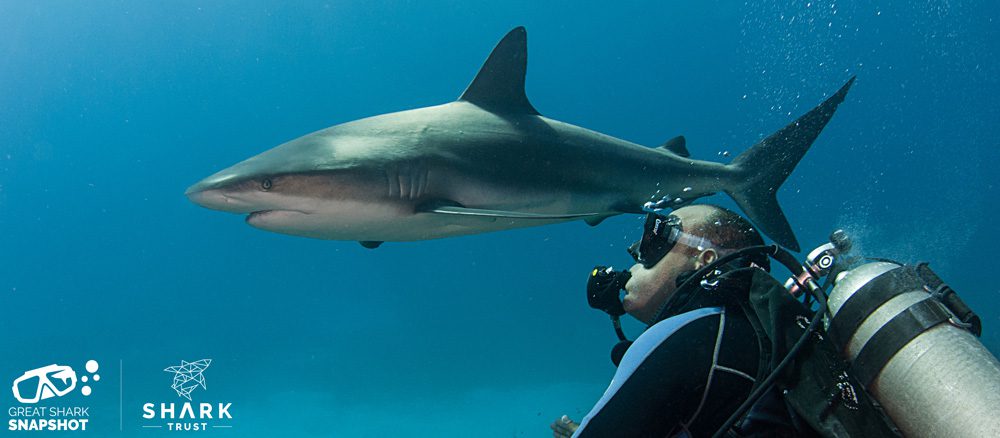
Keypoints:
pixel 50 382
pixel 188 381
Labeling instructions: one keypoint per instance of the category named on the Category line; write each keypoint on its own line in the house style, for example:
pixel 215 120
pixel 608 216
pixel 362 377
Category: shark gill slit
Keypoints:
pixel 388 181
pixel 414 181
pixel 392 181
pixel 419 180
pixel 399 181
pixel 424 174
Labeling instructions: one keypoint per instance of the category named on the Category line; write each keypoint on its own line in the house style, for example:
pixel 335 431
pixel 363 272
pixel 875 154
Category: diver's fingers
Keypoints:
pixel 563 427
pixel 557 430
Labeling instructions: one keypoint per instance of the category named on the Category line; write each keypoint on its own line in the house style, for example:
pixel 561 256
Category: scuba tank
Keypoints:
pixel 912 343
pixel 909 340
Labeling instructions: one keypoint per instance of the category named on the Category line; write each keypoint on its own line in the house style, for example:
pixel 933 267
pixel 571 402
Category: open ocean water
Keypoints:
pixel 110 109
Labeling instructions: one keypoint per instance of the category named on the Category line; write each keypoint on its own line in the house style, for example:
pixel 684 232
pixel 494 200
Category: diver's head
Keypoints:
pixel 679 243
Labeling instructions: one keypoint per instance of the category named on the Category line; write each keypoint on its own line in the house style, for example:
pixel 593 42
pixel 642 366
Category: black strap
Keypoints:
pixel 894 335
pixel 943 293
pixel 867 299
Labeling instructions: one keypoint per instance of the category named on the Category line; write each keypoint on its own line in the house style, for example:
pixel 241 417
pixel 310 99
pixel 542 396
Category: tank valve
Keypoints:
pixel 821 261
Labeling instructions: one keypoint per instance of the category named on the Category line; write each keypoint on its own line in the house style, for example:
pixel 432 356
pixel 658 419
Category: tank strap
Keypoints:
pixel 894 335
pixel 867 299
pixel 947 296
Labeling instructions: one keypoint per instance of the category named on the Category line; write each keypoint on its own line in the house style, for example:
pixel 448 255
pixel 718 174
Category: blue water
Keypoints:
pixel 109 110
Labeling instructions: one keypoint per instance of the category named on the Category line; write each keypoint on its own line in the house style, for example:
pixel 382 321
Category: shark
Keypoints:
pixel 490 162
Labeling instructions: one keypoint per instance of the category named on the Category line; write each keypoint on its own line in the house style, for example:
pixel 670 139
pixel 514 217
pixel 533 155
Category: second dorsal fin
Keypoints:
pixel 677 145
pixel 499 86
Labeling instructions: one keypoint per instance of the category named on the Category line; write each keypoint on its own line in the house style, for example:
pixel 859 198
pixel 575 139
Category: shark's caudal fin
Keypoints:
pixel 499 86
pixel 765 166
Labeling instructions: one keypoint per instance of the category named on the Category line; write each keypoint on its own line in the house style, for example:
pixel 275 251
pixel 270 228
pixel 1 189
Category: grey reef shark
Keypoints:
pixel 489 162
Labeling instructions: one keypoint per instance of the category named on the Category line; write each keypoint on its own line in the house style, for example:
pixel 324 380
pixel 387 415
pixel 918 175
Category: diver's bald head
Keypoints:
pixel 723 227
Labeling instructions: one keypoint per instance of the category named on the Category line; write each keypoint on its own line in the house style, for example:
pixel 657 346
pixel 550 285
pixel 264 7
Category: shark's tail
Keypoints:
pixel 764 167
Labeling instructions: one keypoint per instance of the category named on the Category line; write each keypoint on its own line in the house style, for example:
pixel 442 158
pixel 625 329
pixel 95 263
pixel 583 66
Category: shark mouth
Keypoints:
pixel 267 215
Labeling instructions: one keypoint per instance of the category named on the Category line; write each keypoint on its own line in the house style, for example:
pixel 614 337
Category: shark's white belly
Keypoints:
pixel 366 221
pixel 397 216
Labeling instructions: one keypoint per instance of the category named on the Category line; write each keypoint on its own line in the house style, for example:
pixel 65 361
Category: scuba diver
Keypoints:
pixel 732 352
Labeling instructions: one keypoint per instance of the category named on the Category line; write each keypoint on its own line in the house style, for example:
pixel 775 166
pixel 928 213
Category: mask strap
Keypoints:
pixel 691 241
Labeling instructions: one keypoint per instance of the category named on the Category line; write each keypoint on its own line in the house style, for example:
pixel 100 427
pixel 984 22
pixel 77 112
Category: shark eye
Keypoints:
pixel 266 184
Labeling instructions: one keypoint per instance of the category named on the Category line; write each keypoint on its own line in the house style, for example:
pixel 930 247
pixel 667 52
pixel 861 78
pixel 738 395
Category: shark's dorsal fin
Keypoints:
pixel 677 145
pixel 499 86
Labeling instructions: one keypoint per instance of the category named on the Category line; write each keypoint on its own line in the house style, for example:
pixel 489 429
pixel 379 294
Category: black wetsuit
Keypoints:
pixel 688 373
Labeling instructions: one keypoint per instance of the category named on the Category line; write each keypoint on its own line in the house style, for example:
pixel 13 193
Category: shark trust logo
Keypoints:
pixel 49 382
pixel 188 377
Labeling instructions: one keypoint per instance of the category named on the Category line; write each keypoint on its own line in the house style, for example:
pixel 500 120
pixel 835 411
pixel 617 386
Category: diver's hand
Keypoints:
pixel 563 427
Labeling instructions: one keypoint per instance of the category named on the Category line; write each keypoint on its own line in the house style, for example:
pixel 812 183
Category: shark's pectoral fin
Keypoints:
pixel 501 214
pixel 371 244
pixel 677 145
pixel 499 86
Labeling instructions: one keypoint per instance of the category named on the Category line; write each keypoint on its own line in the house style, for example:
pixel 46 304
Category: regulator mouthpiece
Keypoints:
pixel 604 293
pixel 604 289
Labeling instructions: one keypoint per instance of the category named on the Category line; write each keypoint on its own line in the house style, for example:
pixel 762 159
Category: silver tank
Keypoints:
pixel 943 383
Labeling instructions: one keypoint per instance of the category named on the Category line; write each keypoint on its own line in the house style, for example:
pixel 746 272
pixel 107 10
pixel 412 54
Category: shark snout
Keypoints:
pixel 218 199
pixel 219 180
pixel 220 191
pixel 217 192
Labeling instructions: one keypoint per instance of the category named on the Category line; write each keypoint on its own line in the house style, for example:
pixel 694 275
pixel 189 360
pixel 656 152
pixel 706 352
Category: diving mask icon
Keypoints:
pixel 43 383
